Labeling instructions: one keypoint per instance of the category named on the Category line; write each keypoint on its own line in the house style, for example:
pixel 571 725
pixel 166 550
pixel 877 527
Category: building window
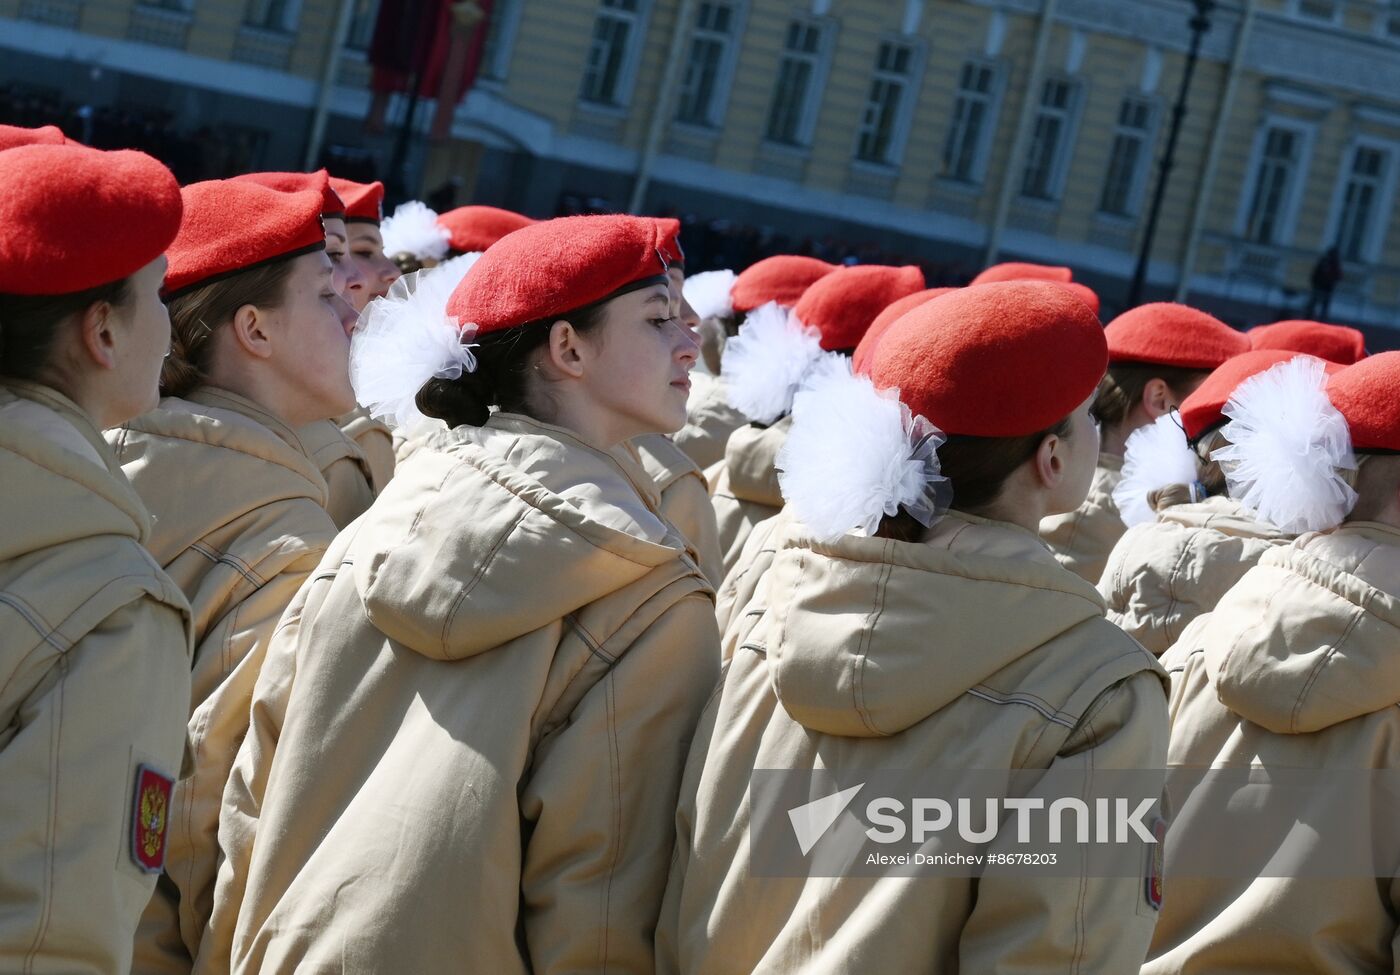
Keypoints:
pixel 790 117
pixel 704 69
pixel 1273 184
pixel 609 54
pixel 275 15
pixel 1050 141
pixel 362 23
pixel 1127 161
pixel 175 6
pixel 880 123
pixel 1389 23
pixel 1361 202
pixel 965 151
pixel 1324 10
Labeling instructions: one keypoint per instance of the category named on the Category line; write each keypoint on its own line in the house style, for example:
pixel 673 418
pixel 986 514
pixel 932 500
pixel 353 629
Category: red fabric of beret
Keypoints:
pixel 892 313
pixel 558 266
pixel 332 206
pixel 1019 271
pixel 1167 334
pixel 234 225
pixel 475 228
pixel 1083 292
pixel 843 304
pixel 1368 395
pixel 1335 343
pixel 363 201
pixel 782 278
pixel 1203 410
pixel 46 135
pixel 75 218
pixel 671 241
pixel 999 360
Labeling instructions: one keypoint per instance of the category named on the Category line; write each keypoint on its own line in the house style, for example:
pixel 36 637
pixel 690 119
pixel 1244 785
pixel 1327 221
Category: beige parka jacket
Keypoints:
pixel 709 422
pixel 972 650
pixel 1162 575
pixel 239 525
pixel 376 440
pixel 344 467
pixel 1298 668
pixel 682 497
pixel 744 486
pixel 468 749
pixel 1083 539
pixel 94 685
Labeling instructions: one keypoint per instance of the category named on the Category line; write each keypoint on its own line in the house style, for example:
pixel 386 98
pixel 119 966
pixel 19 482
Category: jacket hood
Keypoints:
pixel 1325 647
pixel 489 533
pixel 61 482
pixel 879 634
pixel 1224 515
pixel 208 460
pixel 750 460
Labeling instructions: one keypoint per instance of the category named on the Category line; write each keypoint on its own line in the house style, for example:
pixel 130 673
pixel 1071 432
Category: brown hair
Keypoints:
pixel 29 325
pixel 1121 389
pixel 977 468
pixel 503 364
pixel 196 314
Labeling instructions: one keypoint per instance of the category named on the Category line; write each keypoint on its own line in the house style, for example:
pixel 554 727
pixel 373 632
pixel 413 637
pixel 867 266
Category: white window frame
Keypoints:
pixel 1288 219
pixel 1373 246
pixel 821 66
pixel 1298 8
pixel 1064 152
pixel 1387 23
pixel 1148 133
pixel 728 64
pixel 350 39
pixel 911 82
pixel 291 20
pixel 627 72
pixel 497 66
pixel 981 153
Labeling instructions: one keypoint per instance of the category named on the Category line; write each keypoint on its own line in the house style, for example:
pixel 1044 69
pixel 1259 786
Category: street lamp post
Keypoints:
pixel 1200 25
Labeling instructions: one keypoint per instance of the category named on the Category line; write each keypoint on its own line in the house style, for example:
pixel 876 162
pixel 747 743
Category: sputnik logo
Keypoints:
pixel 811 821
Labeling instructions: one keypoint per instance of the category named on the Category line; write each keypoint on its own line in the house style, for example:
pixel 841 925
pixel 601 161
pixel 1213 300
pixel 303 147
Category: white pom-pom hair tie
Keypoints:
pixel 1288 445
pixel 708 293
pixel 856 454
pixel 407 338
pixel 764 364
pixel 413 229
pixel 1157 455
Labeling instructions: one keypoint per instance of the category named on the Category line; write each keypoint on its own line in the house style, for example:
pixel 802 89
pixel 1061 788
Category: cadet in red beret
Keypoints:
pixel 364 211
pixel 511 614
pixel 261 351
pixel 349 277
pixel 475 228
pixel 1335 343
pixel 1158 353
pixel 909 615
pixel 1295 670
pixel 94 643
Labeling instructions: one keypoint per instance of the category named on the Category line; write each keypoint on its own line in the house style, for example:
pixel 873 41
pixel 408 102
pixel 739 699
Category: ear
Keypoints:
pixel 1157 398
pixel 565 351
pixel 250 328
pixel 1048 462
pixel 99 338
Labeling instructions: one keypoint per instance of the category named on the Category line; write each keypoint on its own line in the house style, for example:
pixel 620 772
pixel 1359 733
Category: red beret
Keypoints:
pixel 892 313
pixel 363 201
pixel 234 225
pixel 475 228
pixel 46 135
pixel 975 361
pixel 75 218
pixel 1083 292
pixel 332 206
pixel 671 241
pixel 1167 334
pixel 782 279
pixel 1203 410
pixel 1335 343
pixel 1017 271
pixel 842 305
pixel 557 266
pixel 1368 395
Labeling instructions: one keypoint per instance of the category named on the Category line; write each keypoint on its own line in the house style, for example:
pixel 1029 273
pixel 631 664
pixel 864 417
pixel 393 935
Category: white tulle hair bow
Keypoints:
pixel 856 454
pixel 407 338
pixel 1156 456
pixel 1288 447
pixel 413 229
pixel 708 293
pixel 764 365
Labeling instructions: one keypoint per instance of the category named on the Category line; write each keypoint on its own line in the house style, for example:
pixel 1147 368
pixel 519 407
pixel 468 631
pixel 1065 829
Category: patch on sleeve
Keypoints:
pixel 1156 858
pixel 150 817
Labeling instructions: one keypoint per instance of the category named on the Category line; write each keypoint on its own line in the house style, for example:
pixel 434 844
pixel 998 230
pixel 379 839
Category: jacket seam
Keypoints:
pixel 451 615
pixel 1174 598
pixel 46 632
pixel 868 634
pixel 55 748
pixel 993 697
pixel 1357 615
pixel 232 561
pixel 614 766
pixel 591 642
